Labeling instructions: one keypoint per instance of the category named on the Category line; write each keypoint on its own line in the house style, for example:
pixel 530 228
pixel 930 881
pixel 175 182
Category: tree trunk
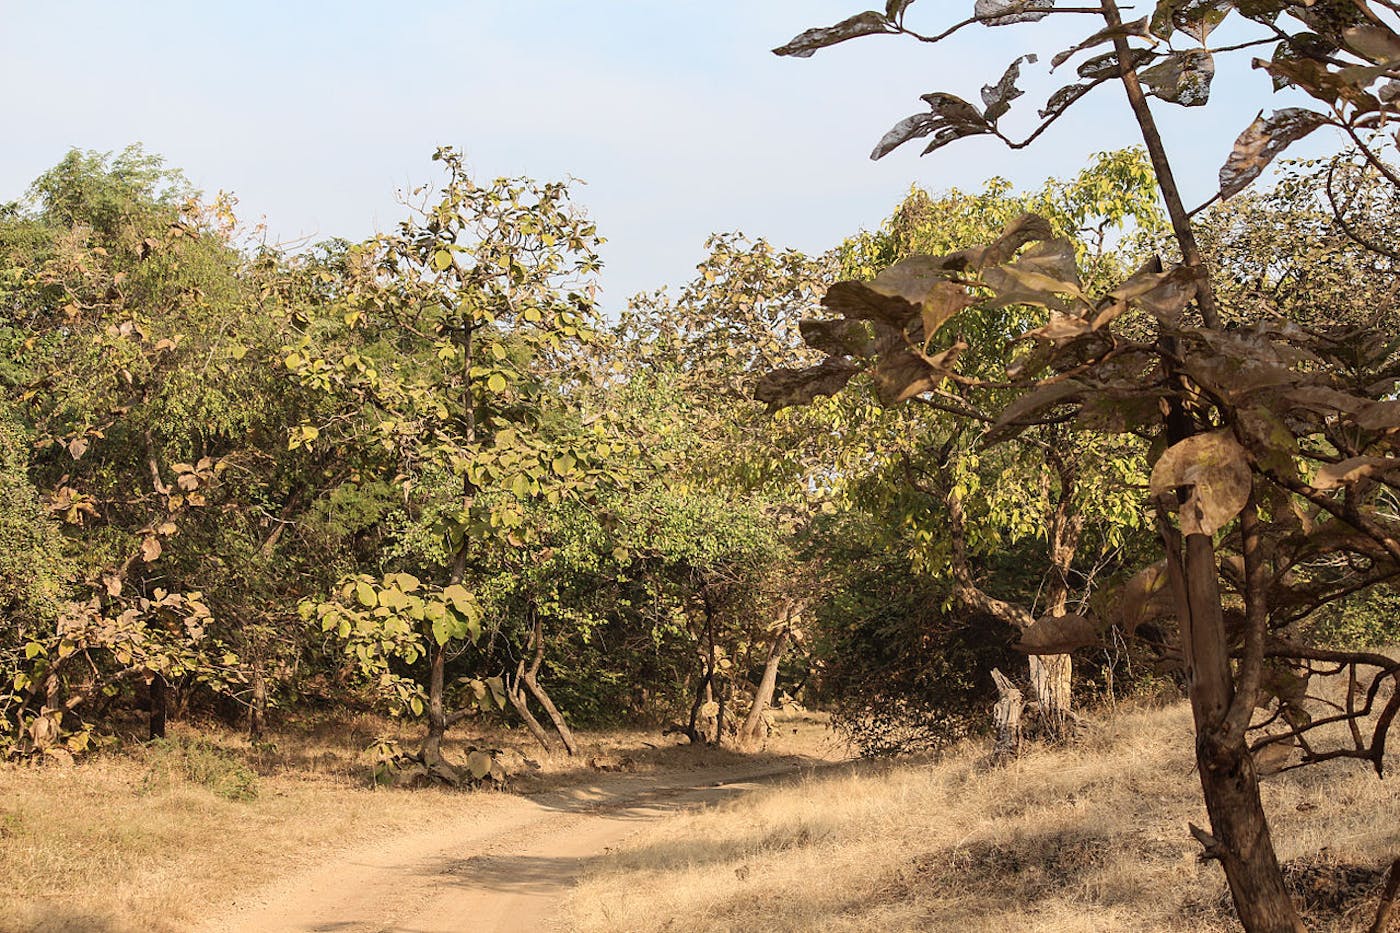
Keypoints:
pixel 720 708
pixel 1051 681
pixel 257 708
pixel 437 713
pixel 1007 717
pixel 560 726
pixel 1241 839
pixel 754 729
pixel 702 690
pixel 530 677
pixel 517 700
pixel 1228 781
pixel 1388 896
pixel 159 704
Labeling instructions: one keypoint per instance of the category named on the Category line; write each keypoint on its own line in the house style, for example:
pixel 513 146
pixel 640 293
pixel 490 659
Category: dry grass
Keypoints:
pixel 1084 838
pixel 150 838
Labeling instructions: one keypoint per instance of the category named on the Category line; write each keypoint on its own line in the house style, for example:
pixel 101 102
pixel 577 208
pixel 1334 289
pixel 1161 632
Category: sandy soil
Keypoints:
pixel 503 866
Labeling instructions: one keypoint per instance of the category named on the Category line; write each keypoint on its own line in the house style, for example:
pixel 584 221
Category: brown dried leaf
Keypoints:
pixel 1059 635
pixel 1170 295
pixel 1119 412
pixel 1026 229
pixel 997 97
pixel 901 375
pixel 150 549
pixel 1060 328
pixel 1145 597
pixel 838 337
pixel 944 301
pixel 1013 420
pixel 1325 401
pixel 869 23
pixel 1271 443
pixel 1182 78
pixel 1380 416
pixel 1135 28
pixel 784 387
pixel 1261 143
pixel 949 118
pixel 1009 12
pixel 1216 469
pixel 1273 758
pixel 1353 470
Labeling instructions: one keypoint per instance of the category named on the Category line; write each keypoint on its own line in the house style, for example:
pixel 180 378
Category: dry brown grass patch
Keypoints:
pixel 1090 836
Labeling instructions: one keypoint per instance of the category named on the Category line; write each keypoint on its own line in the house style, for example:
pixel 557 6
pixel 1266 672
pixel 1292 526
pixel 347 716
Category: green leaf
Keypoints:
pixel 460 598
pixel 442 260
pixel 365 593
pixel 496 383
pixel 406 582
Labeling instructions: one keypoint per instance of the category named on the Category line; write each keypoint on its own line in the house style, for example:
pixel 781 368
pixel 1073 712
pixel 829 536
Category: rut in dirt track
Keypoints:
pixel 505 870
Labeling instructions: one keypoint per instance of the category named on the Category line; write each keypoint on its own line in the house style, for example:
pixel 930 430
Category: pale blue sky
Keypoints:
pixel 673 111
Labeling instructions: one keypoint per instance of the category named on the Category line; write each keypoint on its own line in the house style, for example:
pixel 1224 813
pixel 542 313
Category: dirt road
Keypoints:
pixel 502 867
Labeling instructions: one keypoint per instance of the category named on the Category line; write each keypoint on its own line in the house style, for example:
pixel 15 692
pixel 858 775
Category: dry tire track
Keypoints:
pixel 506 869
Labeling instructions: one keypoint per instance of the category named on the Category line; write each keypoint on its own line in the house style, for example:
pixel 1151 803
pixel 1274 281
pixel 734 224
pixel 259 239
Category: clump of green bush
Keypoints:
pixel 196 761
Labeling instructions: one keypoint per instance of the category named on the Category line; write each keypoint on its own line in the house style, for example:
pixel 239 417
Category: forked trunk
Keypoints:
pixel 516 696
pixel 755 729
pixel 530 677
pixel 1228 781
pixel 1239 836
pixel 566 734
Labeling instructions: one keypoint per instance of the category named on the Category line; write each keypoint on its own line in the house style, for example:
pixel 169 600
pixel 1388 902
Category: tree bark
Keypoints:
pixel 1241 842
pixel 1007 717
pixel 437 713
pixel 521 706
pixel 719 713
pixel 257 707
pixel 1051 679
pixel 530 677
pixel 566 734
pixel 431 750
pixel 1239 838
pixel 1050 675
pixel 702 690
pixel 159 703
pixel 1388 896
pixel 754 729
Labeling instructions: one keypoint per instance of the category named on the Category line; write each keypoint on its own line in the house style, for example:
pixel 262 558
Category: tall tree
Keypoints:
pixel 451 347
pixel 1254 423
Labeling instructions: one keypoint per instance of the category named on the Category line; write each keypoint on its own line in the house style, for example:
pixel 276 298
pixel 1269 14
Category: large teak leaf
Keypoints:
pixel 1216 470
